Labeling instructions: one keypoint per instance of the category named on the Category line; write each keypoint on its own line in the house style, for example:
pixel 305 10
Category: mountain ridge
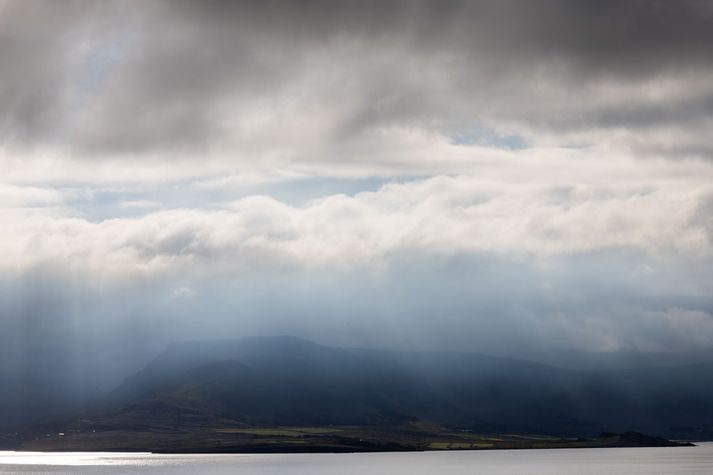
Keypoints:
pixel 201 388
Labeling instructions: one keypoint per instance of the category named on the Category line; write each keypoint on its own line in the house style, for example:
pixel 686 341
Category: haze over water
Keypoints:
pixel 668 460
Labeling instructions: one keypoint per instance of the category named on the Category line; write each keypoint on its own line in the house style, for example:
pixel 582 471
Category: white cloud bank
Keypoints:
pixel 442 215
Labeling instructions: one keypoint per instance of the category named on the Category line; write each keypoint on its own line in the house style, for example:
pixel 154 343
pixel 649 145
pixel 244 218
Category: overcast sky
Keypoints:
pixel 483 176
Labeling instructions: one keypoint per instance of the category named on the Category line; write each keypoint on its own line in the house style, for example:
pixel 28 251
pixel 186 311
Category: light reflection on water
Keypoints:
pixel 669 460
pixel 68 458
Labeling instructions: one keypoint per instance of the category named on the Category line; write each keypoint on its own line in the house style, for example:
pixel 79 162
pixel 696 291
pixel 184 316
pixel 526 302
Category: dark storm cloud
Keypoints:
pixel 30 58
pixel 175 66
pixel 619 37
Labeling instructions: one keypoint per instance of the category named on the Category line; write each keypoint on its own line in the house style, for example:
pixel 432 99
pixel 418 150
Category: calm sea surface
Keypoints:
pixel 675 460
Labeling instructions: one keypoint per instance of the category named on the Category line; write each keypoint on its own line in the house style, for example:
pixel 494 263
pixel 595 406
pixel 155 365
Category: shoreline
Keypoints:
pixel 326 448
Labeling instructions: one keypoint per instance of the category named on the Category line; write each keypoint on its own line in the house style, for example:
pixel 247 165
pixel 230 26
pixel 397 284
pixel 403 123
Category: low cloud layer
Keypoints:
pixel 441 215
pixel 439 262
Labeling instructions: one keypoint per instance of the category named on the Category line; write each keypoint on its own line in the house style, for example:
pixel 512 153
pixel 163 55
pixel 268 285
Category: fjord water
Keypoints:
pixel 612 461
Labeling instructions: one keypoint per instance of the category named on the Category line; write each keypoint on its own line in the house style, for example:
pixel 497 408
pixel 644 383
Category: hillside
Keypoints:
pixel 226 387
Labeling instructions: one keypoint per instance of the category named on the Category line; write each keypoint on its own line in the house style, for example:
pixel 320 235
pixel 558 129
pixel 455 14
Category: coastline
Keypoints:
pixel 295 440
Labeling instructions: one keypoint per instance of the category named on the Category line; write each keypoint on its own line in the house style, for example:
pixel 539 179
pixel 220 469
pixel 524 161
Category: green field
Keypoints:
pixel 232 437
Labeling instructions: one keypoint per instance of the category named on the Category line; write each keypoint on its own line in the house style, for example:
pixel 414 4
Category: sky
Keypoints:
pixel 503 177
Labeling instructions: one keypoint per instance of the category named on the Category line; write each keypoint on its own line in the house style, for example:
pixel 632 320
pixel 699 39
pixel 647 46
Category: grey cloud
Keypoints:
pixel 430 64
pixel 30 55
